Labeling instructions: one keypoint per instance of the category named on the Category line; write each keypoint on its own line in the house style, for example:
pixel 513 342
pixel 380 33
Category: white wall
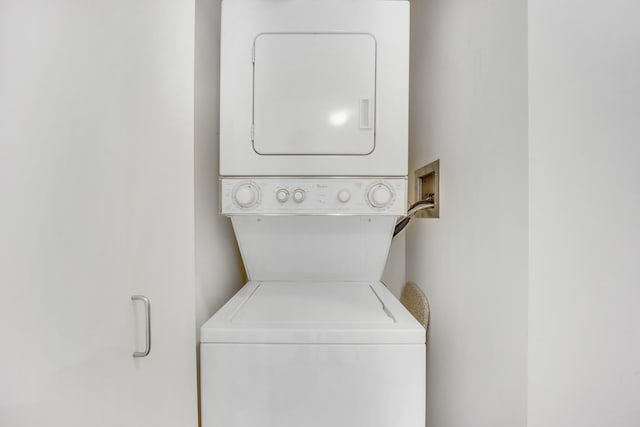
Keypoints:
pixel 469 109
pixel 219 271
pixel 394 275
pixel 584 207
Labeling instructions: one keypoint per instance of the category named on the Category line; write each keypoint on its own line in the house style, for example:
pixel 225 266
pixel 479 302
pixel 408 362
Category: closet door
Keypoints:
pixel 96 205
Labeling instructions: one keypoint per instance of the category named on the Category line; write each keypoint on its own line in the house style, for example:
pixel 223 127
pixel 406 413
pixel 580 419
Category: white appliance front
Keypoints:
pixel 312 385
pixel 285 354
pixel 313 196
pixel 311 228
pixel 314 247
pixel 314 88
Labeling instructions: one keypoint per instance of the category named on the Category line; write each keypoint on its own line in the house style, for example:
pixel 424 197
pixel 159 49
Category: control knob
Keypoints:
pixel 298 195
pixel 282 195
pixel 246 195
pixel 380 195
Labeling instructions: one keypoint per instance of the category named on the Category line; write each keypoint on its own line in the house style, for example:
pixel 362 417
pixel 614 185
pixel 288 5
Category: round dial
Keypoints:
pixel 246 195
pixel 282 195
pixel 298 195
pixel 380 195
pixel 344 196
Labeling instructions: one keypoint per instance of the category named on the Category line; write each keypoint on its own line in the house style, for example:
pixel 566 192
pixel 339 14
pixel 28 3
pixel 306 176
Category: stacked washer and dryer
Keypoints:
pixel 313 165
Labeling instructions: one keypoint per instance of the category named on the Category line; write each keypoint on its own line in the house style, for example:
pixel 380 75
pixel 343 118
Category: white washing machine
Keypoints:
pixel 313 165
pixel 308 354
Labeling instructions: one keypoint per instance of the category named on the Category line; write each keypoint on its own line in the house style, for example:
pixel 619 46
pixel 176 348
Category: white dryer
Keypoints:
pixel 314 88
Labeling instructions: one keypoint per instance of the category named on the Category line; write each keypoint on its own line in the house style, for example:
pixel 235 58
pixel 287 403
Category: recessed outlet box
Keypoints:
pixel 428 188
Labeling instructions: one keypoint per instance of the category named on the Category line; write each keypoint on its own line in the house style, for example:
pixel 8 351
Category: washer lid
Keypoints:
pixel 299 312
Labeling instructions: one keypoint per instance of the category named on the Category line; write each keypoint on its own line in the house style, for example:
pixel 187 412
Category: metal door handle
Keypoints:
pixel 147 325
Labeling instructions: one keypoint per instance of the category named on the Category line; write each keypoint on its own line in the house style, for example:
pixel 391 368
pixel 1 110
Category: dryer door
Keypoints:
pixel 314 94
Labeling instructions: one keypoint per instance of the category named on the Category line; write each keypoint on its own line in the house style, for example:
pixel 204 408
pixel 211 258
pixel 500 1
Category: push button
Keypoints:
pixel 344 196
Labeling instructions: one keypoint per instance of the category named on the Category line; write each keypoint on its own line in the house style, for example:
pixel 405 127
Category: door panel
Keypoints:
pixel 96 188
pixel 314 94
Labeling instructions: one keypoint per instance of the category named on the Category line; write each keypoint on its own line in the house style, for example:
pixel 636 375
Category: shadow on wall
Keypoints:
pixel 219 269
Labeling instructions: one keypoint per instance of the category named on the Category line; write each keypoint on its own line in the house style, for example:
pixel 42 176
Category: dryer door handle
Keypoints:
pixel 365 113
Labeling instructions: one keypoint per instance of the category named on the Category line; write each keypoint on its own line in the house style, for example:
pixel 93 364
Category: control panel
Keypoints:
pixel 319 196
